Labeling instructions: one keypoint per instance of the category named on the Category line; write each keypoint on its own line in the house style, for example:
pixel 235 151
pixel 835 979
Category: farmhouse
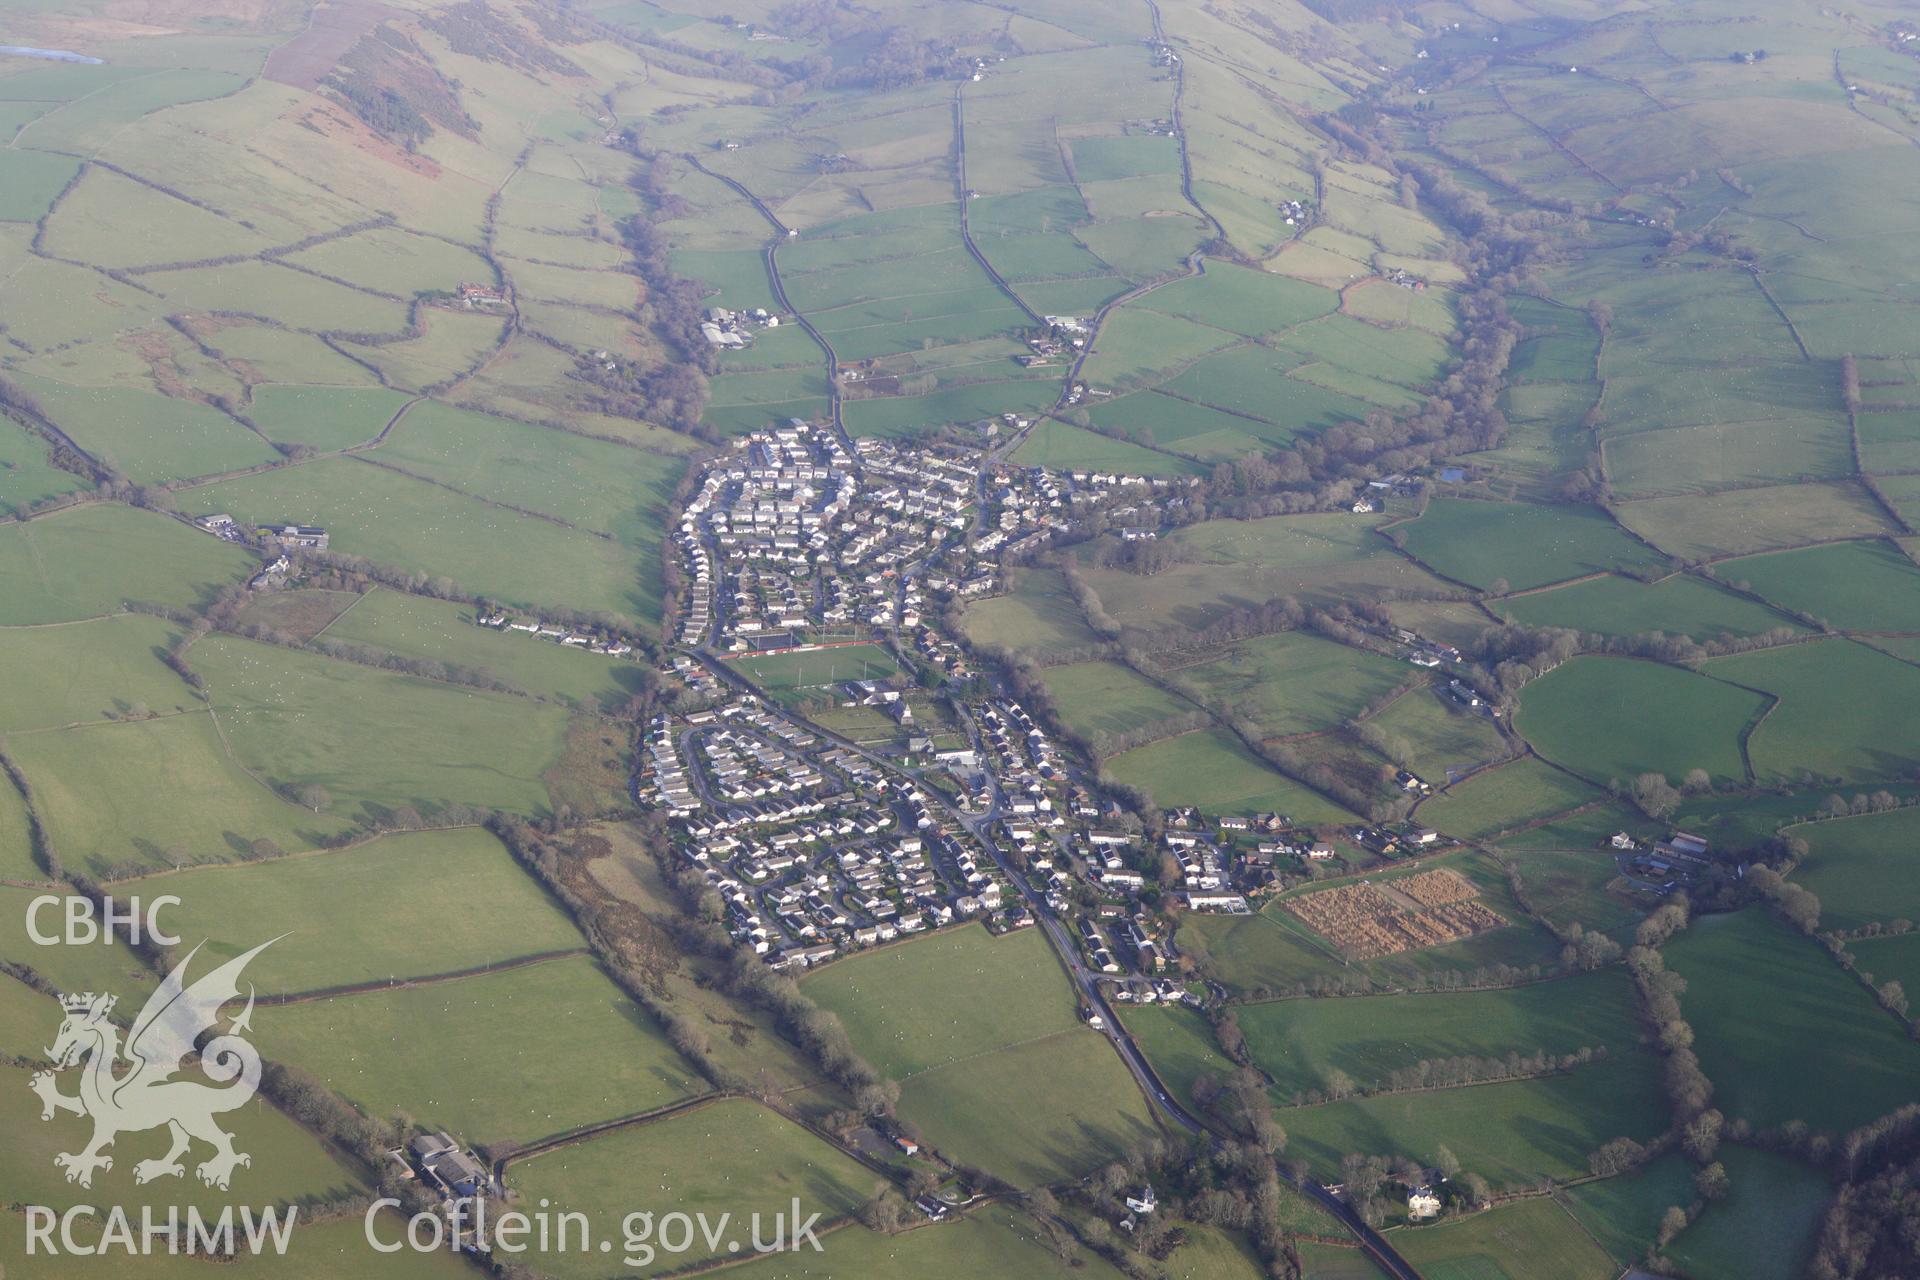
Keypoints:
pixel 304 537
pixel 442 1165
pixel 1422 1204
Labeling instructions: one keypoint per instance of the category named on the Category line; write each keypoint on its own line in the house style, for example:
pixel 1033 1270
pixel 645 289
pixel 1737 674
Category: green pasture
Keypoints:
pixel 1512 1133
pixel 1527 1238
pixel 1740 521
pixel 1856 586
pixel 394 260
pixel 1178 1043
pixel 323 417
pixel 1154 418
pixel 1623 1213
pixel 31 180
pixel 1095 698
pixel 1612 719
pixel 1241 299
pixel 1254 381
pixel 1768 1224
pixel 1505 797
pixel 412 524
pixel 1291 682
pixel 1619 606
pixel 1136 347
pixel 1435 737
pixel 1841 711
pixel 318 1250
pixel 155 793
pixel 475 1055
pixel 1862 869
pixel 1065 447
pixel 445 631
pixel 731 1157
pixel 148 437
pixel 1523 545
pixel 352 916
pixel 1889 958
pixel 965 402
pixel 947 997
pixel 375 738
pixel 1572 885
pixel 1818 1026
pixel 108 668
pixel 1298 1043
pixel 289 1164
pixel 591 483
pixel 1033 1112
pixel 992 1242
pixel 27 474
pixel 1211 769
pixel 1039 614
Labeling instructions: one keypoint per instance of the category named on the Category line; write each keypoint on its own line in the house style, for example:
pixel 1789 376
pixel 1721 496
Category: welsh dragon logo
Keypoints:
pixel 129 1089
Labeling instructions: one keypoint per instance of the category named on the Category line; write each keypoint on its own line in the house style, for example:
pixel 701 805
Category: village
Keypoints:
pixel 894 788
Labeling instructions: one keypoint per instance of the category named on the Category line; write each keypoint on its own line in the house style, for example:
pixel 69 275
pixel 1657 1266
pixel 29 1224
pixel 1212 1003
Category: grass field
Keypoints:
pixel 1566 885
pixel 1256 953
pixel 1526 546
pixel 411 524
pixel 1857 586
pixel 351 916
pixel 995 1069
pixel 1746 520
pixel 1063 446
pixel 84 671
pixel 1529 1238
pixel 1179 1044
pixel 1617 606
pixel 88 561
pixel 1615 718
pixel 1298 1042
pixel 148 437
pixel 476 1055
pixel 1624 1212
pixel 444 631
pixel 947 997
pixel 154 793
pixel 733 1157
pixel 1242 300
pixel 27 474
pixel 1819 1027
pixel 1503 798
pixel 289 1164
pixel 1511 1133
pixel 323 417
pixel 1096 698
pixel 16 842
pixel 1039 615
pixel 1862 869
pixel 1033 1112
pixel 1767 1225
pixel 298 718
pixel 1234 563
pixel 1211 769
pixel 1839 713
pixel 1292 682
pixel 1438 737
pixel 1889 959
